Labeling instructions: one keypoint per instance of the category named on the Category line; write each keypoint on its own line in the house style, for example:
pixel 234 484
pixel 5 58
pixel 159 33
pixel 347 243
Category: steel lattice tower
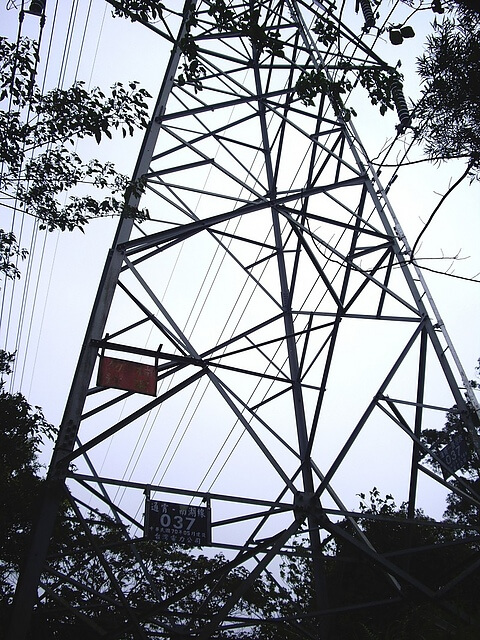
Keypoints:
pixel 271 268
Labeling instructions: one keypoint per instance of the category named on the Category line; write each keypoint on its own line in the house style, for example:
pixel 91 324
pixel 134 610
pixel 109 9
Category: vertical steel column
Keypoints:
pixel 293 363
pixel 418 424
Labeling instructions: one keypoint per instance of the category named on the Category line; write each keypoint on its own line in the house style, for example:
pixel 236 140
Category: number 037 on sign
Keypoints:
pixel 177 523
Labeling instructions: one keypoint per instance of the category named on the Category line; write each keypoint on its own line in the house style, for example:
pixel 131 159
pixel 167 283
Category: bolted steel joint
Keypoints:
pixel 306 504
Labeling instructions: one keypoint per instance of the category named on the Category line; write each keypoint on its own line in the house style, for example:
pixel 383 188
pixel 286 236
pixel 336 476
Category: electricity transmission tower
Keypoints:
pixel 261 348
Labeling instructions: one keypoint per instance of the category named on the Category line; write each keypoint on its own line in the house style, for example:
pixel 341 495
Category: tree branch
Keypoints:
pixel 432 215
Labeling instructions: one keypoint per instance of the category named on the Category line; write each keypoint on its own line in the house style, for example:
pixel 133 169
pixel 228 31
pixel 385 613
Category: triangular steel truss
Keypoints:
pixel 300 354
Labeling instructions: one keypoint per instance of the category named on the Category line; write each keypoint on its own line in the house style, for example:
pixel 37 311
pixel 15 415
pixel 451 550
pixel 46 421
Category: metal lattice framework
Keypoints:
pixel 299 353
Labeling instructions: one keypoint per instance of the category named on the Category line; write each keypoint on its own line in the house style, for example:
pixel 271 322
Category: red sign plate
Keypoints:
pixel 127 375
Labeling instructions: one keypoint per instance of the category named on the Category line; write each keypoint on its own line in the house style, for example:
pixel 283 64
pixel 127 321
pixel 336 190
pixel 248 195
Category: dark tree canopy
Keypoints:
pixel 23 430
pixel 448 114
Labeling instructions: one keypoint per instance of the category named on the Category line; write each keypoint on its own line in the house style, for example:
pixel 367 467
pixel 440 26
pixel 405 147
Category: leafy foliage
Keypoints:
pixel 57 170
pixel 22 434
pixel 366 595
pixel 244 22
pixel 145 10
pixel 449 110
pixel 37 134
pixel 9 254
pixel 326 30
pixel 379 82
pixel 167 571
pixel 193 70
pixel 310 84
pixel 447 115
pixel 183 577
pixel 247 22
